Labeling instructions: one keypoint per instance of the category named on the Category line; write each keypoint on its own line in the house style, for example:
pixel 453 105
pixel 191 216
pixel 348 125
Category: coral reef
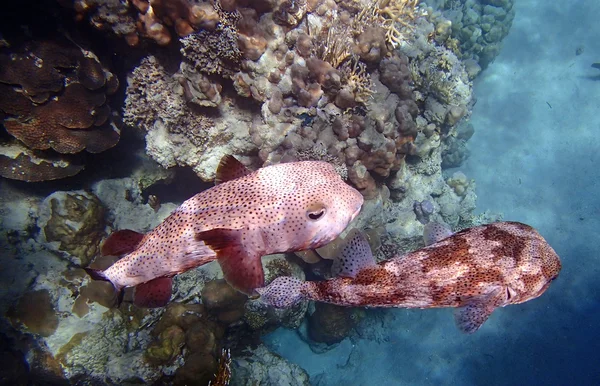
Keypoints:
pixel 156 19
pixel 53 95
pixel 20 163
pixel 479 27
pixel 178 135
pixel 378 88
pixel 301 86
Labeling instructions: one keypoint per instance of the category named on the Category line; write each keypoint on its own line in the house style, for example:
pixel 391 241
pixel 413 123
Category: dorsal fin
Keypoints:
pixel 355 255
pixel 230 169
pixel 121 242
pixel 434 232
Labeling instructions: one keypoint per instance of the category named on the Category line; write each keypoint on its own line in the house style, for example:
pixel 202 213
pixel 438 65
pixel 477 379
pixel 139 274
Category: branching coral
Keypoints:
pixel 398 16
pixel 358 80
pixel 334 48
pixel 223 375
pixel 215 50
pixel 395 16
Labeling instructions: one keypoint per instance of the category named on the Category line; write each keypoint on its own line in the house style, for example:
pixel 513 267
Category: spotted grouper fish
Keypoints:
pixel 475 270
pixel 280 208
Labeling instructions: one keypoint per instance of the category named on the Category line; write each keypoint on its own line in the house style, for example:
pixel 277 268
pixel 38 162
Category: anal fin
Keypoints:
pixel 121 242
pixel 154 293
pixel 239 255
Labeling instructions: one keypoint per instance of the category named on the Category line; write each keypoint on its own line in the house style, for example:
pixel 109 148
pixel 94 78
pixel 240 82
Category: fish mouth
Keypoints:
pixel 356 213
pixel 358 207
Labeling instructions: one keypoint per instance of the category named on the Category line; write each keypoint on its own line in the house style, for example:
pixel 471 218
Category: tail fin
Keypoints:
pixel 96 274
pixel 283 292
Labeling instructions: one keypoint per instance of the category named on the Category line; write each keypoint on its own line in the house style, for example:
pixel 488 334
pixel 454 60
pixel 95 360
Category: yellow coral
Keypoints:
pixel 397 12
pixel 335 49
pixel 223 374
pixel 358 79
pixel 389 13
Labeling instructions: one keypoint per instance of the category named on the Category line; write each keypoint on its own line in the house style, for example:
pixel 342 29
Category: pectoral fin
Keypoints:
pixel 239 255
pixel 434 232
pixel 472 316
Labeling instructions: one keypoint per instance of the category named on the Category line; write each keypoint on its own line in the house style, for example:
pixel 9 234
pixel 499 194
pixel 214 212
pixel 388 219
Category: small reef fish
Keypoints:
pixel 280 208
pixel 475 271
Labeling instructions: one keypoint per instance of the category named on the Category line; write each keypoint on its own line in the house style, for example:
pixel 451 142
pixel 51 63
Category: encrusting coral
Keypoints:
pixel 53 95
pixel 478 27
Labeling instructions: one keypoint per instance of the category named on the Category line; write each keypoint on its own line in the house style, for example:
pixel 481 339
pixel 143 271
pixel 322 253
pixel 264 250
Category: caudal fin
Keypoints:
pixel 283 292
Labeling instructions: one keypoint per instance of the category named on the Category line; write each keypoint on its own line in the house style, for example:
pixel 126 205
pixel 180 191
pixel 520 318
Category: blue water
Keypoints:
pixel 535 157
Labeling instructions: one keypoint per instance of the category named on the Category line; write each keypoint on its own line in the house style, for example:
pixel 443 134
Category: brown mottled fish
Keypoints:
pixel 475 270
pixel 279 208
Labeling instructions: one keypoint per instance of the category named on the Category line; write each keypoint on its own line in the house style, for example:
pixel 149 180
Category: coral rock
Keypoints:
pixel 330 323
pixel 223 301
pixel 167 347
pixel 35 311
pixel 73 222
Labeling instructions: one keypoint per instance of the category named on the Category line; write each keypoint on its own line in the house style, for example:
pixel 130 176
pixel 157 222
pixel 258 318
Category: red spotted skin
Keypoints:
pixel 495 265
pixel 268 209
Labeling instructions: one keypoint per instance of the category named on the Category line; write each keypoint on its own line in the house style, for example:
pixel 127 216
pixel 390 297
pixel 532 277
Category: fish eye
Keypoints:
pixel 315 214
pixel 315 211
